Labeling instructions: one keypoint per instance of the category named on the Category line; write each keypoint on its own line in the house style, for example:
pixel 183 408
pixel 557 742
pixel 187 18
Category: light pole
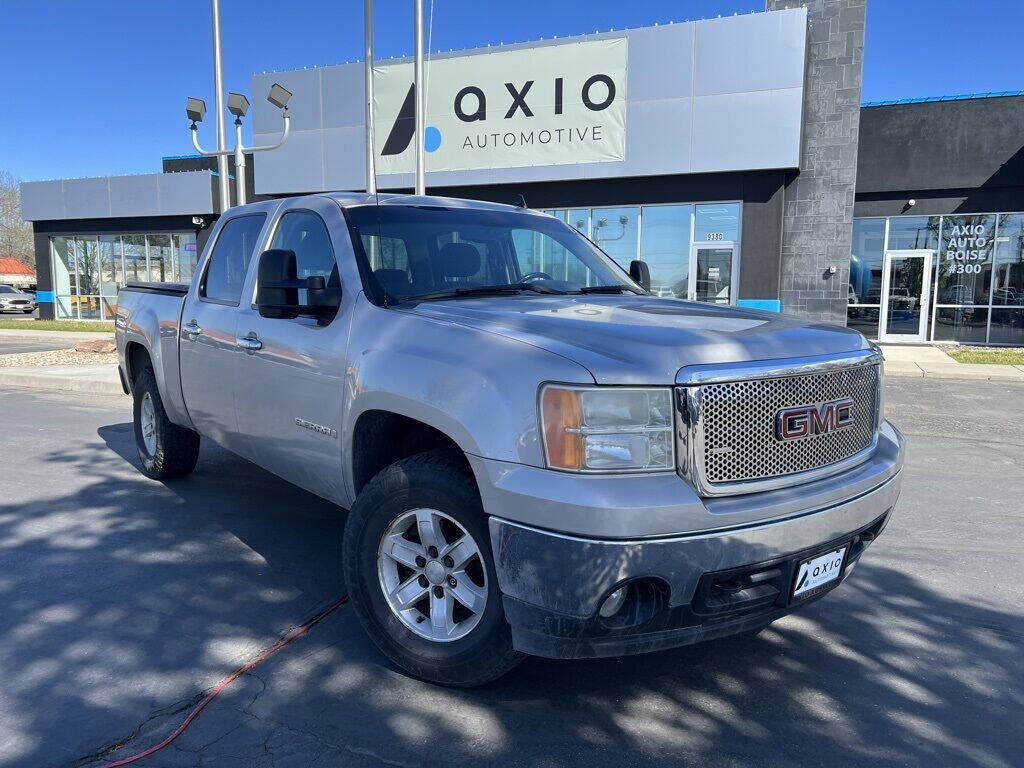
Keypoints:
pixel 371 170
pixel 238 105
pixel 419 91
pixel 218 97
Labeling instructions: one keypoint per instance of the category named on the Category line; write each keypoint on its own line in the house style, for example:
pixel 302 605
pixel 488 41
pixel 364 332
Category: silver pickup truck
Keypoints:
pixel 537 455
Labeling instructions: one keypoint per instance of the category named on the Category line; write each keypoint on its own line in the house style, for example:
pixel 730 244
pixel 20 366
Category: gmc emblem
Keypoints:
pixel 809 420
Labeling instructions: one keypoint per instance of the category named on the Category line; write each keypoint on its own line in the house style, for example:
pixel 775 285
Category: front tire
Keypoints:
pixel 166 450
pixel 421 576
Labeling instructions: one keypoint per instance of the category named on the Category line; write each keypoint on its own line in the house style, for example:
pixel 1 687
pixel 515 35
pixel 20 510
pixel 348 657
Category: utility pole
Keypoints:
pixel 218 97
pixel 419 91
pixel 371 170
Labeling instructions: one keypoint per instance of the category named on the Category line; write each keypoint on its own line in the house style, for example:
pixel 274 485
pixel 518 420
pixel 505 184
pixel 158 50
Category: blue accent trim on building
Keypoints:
pixel 769 305
pixel 45 296
pixel 182 157
pixel 958 97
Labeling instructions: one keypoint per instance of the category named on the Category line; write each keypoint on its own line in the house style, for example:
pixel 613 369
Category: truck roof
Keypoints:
pixel 356 199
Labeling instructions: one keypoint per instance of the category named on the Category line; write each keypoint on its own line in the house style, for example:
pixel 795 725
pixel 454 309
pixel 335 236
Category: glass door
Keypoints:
pixel 712 267
pixel 906 282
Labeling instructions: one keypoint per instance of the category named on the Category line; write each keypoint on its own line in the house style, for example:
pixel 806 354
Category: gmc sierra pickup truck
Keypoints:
pixel 537 455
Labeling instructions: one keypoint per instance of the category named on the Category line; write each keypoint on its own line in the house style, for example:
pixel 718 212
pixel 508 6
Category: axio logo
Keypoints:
pixel 405 126
pixel 516 108
pixel 470 106
pixel 809 420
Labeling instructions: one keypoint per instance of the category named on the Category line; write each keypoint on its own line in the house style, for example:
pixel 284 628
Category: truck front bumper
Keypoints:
pixel 689 587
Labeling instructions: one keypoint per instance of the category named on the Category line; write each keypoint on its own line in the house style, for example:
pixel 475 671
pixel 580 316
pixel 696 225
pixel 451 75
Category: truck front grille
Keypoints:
pixel 736 441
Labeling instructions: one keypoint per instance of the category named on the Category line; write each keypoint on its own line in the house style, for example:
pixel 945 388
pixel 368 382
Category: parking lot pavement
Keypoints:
pixel 123 598
pixel 10 346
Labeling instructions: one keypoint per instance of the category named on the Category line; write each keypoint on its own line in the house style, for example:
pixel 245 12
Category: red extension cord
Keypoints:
pixel 293 635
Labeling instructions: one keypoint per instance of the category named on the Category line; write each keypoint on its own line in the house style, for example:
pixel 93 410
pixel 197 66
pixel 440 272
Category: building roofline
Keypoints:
pixel 956 97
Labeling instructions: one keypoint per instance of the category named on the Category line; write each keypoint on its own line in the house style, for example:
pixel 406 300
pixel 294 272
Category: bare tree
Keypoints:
pixel 15 234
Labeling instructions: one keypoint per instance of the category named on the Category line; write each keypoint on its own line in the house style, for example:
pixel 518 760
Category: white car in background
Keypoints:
pixel 13 300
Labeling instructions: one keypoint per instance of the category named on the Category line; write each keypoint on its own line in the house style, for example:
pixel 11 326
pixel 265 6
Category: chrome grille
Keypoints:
pixel 734 432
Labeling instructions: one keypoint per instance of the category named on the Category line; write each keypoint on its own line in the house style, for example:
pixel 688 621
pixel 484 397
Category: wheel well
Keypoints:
pixel 381 438
pixel 137 358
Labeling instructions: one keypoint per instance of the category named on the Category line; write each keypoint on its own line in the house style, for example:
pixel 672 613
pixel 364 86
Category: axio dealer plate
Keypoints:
pixel 817 571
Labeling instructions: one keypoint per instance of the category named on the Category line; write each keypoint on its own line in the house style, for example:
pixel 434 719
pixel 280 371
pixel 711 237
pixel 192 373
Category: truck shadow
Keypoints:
pixel 156 590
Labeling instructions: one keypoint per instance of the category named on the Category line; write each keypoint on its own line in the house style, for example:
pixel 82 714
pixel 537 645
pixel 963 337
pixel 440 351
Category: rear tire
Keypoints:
pixel 464 647
pixel 166 450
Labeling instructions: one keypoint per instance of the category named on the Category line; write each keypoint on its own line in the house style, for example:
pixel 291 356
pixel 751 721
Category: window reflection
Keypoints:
pixel 616 231
pixel 965 259
pixel 1009 263
pixel 866 262
pixel 665 246
pixel 88 270
pixel 717 221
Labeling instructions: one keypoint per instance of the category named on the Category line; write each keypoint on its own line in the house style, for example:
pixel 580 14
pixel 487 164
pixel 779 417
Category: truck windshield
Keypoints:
pixel 425 252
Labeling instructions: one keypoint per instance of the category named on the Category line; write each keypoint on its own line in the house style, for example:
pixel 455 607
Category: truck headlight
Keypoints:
pixel 607 429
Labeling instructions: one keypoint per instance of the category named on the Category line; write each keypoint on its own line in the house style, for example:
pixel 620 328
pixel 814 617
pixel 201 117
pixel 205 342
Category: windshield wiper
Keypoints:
pixel 606 289
pixel 503 289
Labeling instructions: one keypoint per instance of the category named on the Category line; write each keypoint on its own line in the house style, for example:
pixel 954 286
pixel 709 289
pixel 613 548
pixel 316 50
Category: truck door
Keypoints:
pixel 208 350
pixel 291 392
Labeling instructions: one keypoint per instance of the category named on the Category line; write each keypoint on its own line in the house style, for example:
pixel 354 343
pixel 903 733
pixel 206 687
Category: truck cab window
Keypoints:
pixel 306 234
pixel 230 259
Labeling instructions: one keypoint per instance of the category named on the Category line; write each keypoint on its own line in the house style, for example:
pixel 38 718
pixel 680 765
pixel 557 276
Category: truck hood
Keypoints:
pixel 643 339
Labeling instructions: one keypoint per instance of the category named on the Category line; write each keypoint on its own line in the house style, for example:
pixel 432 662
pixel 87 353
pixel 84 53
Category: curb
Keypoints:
pixel 30 335
pixel 908 373
pixel 11 377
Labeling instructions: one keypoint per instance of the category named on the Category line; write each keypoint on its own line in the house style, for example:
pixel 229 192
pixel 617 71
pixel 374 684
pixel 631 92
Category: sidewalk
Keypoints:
pixel 926 361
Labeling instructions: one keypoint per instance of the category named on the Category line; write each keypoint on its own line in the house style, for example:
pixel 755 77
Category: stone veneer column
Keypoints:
pixel 818 210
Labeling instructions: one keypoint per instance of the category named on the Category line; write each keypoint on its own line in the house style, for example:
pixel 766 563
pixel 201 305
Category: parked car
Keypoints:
pixel 14 300
pixel 531 465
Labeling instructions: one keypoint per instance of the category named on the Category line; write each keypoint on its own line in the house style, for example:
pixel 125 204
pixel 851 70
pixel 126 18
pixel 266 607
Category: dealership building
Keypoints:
pixel 733 155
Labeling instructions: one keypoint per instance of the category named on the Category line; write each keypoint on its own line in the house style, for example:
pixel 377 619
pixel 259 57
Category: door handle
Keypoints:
pixel 249 343
pixel 193 330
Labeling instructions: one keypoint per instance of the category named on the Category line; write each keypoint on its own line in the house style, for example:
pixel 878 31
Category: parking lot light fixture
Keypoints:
pixel 238 104
pixel 279 96
pixel 195 109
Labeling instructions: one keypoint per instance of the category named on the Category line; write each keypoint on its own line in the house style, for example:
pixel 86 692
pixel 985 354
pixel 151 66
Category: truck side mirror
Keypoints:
pixel 278 286
pixel 641 273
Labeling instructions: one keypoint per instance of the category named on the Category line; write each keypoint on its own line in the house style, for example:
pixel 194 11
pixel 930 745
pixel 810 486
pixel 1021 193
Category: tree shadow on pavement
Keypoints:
pixel 126 597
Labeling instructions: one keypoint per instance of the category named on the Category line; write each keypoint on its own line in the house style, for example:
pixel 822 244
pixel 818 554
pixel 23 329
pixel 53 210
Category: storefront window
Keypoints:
pixel 665 247
pixel 616 232
pixel 977 293
pixel 965 259
pixel 88 270
pixel 185 256
pixel 1009 263
pixel 914 233
pixel 663 237
pixel 135 258
pixel 966 325
pixel 717 221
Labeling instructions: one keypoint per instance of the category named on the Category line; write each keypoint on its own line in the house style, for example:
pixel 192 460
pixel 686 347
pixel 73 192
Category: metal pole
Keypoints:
pixel 420 89
pixel 218 90
pixel 371 170
pixel 239 163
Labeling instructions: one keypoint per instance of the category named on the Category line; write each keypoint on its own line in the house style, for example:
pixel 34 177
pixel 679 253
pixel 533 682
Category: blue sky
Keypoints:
pixel 97 87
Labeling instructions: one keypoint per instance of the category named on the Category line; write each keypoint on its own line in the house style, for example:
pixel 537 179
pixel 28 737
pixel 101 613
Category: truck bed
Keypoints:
pixel 167 289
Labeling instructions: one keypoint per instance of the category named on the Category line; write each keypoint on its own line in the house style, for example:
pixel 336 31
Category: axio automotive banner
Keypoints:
pixel 552 105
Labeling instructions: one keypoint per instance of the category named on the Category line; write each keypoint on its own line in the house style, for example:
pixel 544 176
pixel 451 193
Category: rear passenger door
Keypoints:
pixel 208 351
pixel 291 393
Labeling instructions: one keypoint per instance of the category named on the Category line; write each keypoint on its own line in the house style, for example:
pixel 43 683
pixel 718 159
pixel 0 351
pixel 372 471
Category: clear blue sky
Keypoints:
pixel 97 87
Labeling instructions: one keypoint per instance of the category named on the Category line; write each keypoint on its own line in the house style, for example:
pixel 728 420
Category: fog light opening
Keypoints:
pixel 613 603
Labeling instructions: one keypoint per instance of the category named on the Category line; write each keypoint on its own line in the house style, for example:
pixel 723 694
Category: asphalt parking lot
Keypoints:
pixel 122 599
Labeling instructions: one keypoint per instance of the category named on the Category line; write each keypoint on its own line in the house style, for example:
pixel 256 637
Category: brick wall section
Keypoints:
pixel 818 208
